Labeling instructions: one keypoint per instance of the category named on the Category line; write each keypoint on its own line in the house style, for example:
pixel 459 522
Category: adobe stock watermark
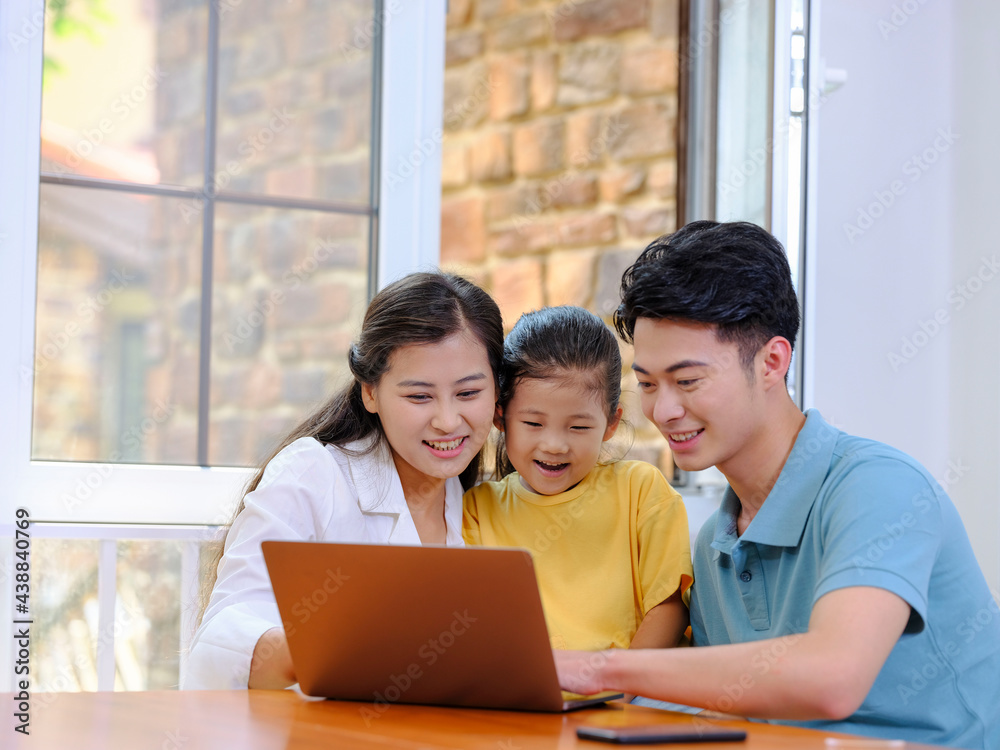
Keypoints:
pixel 424 148
pixel 899 16
pixel 55 343
pixel 131 439
pixel 914 168
pixel 958 297
pixel 427 656
pixel 364 33
pixel 248 148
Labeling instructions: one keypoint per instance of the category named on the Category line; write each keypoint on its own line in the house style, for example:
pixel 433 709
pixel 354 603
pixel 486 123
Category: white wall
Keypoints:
pixel 975 340
pixel 897 354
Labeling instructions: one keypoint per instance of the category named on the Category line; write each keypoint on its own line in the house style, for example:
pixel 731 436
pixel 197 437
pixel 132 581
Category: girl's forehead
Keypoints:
pixel 573 386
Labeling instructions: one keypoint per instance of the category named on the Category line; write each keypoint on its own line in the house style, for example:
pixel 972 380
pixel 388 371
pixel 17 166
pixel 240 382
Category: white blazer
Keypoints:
pixel 309 492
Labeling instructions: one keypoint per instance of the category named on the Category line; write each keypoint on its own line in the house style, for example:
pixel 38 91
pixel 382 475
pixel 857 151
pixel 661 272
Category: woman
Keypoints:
pixel 385 460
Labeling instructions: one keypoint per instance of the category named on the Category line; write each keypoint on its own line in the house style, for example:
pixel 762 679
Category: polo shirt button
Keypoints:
pixel 745 576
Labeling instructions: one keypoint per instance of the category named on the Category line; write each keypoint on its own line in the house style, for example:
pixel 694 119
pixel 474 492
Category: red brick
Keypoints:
pixel 622 183
pixel 462 46
pixel 544 80
pixel 569 277
pixel 647 130
pixel 487 10
pixel 648 71
pixel 505 202
pixel 489 157
pixel 583 131
pixel 664 19
pixel 642 221
pixel 511 92
pixel 315 303
pixel 598 18
pixel 588 230
pixel 663 179
pixel 467 92
pixel 458 13
pixel 463 231
pixel 528 234
pixel 574 190
pixel 519 32
pixel 261 387
pixel 588 73
pixel 454 164
pixel 517 288
pixel 297 181
pixel 538 148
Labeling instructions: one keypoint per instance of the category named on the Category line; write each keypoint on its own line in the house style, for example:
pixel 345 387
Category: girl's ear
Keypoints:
pixel 368 398
pixel 498 418
pixel 613 424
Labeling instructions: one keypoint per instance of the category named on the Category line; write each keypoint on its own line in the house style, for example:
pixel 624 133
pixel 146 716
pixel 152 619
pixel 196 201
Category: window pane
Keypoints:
pixel 744 118
pixel 117 328
pixel 145 628
pixel 64 610
pixel 124 90
pixel 289 292
pixel 295 98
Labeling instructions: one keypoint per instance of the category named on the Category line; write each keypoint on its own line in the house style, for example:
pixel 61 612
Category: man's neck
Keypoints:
pixel 753 472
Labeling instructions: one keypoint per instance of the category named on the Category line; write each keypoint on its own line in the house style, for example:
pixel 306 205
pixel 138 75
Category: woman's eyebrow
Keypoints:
pixel 423 384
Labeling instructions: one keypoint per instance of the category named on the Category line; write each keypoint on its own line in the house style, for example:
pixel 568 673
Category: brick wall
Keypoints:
pixel 559 156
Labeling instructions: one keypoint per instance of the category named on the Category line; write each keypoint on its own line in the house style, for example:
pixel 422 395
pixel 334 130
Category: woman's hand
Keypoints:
pixel 271 666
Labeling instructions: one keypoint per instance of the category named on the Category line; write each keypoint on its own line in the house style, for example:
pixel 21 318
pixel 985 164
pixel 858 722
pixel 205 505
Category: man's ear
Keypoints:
pixel 368 398
pixel 613 424
pixel 776 358
pixel 498 418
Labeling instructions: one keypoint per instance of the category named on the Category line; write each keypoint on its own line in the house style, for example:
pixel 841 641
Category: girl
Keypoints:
pixel 609 541
pixel 384 460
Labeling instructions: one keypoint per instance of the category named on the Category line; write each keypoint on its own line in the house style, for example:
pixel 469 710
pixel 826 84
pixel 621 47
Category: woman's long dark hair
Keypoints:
pixel 421 308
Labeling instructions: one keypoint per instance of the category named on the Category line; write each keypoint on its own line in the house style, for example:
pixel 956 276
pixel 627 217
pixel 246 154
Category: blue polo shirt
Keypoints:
pixel 846 511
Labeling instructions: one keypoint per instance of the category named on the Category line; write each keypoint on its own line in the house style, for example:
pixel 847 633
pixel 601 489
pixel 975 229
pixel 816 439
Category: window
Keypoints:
pixel 211 197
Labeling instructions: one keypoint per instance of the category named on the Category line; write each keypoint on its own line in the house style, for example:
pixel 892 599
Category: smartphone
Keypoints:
pixel 659 733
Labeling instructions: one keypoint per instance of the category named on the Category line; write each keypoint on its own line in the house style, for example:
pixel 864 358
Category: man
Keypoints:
pixel 835 587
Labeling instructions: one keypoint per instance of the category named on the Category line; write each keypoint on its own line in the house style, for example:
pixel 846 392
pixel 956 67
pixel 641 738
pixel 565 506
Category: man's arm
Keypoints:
pixel 824 673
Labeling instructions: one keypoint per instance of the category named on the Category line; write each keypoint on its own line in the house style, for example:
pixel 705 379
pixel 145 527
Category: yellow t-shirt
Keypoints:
pixel 605 552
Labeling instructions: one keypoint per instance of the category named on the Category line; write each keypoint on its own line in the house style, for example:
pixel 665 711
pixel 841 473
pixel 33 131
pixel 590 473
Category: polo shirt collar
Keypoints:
pixel 782 517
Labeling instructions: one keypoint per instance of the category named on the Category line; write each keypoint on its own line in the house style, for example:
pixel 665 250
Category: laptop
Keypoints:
pixel 446 626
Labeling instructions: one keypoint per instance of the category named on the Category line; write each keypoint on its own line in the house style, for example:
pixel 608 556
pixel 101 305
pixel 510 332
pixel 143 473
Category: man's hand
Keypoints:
pixel 581 671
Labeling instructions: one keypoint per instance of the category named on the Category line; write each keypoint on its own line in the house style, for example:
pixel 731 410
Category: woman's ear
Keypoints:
pixel 498 418
pixel 613 424
pixel 368 398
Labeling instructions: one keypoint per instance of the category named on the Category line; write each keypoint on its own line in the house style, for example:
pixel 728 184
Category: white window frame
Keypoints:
pixel 408 238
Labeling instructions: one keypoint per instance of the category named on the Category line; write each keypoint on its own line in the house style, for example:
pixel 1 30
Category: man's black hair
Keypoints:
pixel 733 275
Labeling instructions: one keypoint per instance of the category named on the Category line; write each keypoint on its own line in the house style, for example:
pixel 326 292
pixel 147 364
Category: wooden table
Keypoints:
pixel 266 719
